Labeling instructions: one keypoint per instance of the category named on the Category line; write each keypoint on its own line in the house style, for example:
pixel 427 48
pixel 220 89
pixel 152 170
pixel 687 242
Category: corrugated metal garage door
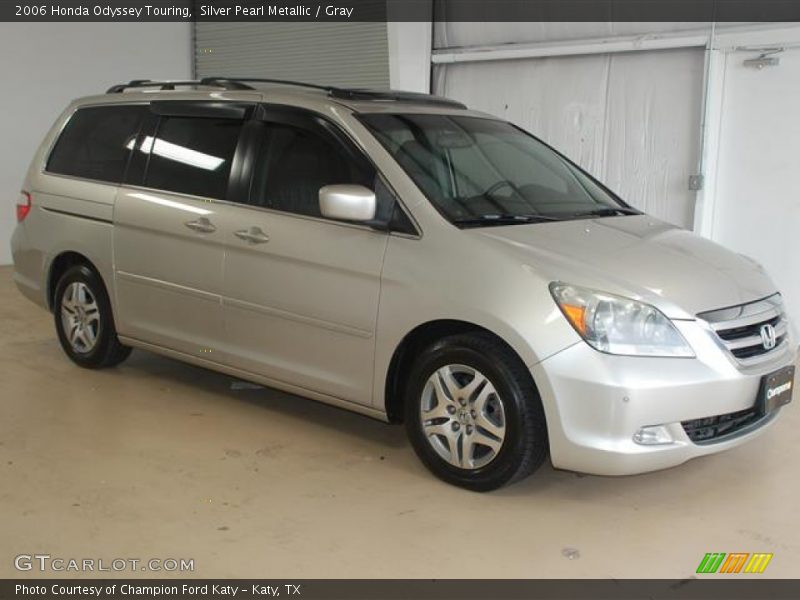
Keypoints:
pixel 344 54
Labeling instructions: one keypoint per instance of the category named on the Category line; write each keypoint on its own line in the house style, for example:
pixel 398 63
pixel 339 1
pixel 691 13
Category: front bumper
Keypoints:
pixel 596 402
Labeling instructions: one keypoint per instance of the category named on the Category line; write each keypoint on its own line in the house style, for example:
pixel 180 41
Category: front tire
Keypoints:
pixel 84 322
pixel 473 414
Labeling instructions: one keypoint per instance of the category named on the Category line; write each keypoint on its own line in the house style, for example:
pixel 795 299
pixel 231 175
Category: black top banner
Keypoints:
pixel 399 10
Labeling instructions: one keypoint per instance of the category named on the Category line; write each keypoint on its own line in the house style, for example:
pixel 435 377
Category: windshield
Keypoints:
pixel 479 171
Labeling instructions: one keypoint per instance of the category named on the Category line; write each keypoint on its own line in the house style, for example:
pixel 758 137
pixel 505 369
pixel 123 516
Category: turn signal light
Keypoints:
pixel 576 315
pixel 23 206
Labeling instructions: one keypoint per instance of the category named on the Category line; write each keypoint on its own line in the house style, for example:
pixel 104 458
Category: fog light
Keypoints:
pixel 653 436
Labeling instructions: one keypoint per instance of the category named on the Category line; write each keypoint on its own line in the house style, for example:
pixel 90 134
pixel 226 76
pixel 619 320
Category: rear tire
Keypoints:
pixel 473 414
pixel 84 322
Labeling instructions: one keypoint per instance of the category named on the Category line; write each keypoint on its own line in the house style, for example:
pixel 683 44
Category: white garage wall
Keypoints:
pixel 631 119
pixel 410 56
pixel 45 65
pixel 654 106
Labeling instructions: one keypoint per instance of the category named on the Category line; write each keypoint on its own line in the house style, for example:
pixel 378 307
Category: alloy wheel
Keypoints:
pixel 463 417
pixel 80 317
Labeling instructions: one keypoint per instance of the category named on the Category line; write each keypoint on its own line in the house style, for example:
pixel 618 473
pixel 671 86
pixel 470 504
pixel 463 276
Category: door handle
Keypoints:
pixel 253 235
pixel 201 225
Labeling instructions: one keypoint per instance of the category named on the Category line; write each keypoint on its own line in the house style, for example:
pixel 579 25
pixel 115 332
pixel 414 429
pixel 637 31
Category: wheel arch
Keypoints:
pixel 413 342
pixel 59 265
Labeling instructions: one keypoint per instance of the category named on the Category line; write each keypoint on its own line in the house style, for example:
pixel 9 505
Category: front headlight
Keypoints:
pixel 618 325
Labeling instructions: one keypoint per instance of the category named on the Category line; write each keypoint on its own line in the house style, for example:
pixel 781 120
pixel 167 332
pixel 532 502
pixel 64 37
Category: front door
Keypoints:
pixel 301 291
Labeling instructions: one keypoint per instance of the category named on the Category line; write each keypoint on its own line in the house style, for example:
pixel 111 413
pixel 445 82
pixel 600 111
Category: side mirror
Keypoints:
pixel 347 202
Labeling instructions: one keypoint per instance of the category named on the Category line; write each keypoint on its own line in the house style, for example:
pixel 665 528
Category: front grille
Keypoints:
pixel 711 428
pixel 739 327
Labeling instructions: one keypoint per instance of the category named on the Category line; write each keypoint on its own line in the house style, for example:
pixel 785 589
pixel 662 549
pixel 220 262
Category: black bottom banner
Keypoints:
pixel 406 589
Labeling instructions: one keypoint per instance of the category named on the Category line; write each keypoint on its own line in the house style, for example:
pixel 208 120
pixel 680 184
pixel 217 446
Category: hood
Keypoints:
pixel 673 269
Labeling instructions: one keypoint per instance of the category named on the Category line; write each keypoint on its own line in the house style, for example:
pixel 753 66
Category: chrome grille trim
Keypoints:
pixel 751 319
pixel 755 340
pixel 738 328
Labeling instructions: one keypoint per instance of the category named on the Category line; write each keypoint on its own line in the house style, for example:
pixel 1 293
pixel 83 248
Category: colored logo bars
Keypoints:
pixel 735 562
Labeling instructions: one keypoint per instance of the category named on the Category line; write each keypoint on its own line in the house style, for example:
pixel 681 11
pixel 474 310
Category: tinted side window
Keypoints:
pixel 96 142
pixel 192 155
pixel 293 163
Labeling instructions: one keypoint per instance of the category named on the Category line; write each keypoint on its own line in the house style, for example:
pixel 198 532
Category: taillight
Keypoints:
pixel 23 206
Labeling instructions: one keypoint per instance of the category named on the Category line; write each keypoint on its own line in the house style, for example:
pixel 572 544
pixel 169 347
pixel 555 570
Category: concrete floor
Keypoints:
pixel 161 459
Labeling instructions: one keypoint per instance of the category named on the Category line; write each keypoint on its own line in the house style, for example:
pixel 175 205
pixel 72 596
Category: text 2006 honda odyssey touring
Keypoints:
pixel 404 257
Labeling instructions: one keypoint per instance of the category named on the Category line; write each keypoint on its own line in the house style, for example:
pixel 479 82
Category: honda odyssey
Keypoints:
pixel 400 256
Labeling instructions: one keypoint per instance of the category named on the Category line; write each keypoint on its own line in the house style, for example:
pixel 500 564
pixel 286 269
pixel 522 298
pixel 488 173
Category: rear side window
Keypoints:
pixel 96 142
pixel 192 155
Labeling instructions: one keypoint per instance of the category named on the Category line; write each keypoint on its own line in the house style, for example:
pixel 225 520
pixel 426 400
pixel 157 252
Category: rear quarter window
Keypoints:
pixel 96 142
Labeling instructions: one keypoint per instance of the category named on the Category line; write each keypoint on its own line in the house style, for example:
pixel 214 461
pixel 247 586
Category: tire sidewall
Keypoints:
pixel 105 329
pixel 503 467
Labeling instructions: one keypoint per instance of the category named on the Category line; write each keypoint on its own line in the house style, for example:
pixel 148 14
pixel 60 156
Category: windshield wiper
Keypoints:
pixel 502 219
pixel 608 211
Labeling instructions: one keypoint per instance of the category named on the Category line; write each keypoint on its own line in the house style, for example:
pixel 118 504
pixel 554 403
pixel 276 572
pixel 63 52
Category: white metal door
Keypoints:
pixel 757 207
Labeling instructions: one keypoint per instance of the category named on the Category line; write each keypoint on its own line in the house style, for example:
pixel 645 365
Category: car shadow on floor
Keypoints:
pixel 313 415
pixel 304 410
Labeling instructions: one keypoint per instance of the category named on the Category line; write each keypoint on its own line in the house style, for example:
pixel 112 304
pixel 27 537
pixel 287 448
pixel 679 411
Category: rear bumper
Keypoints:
pixel 596 402
pixel 27 267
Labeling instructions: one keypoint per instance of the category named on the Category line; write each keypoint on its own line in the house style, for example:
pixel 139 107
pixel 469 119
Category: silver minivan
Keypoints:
pixel 404 257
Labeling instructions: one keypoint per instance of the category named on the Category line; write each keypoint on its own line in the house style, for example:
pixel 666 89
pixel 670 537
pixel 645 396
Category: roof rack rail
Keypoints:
pixel 246 80
pixel 391 95
pixel 345 93
pixel 241 83
pixel 171 85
